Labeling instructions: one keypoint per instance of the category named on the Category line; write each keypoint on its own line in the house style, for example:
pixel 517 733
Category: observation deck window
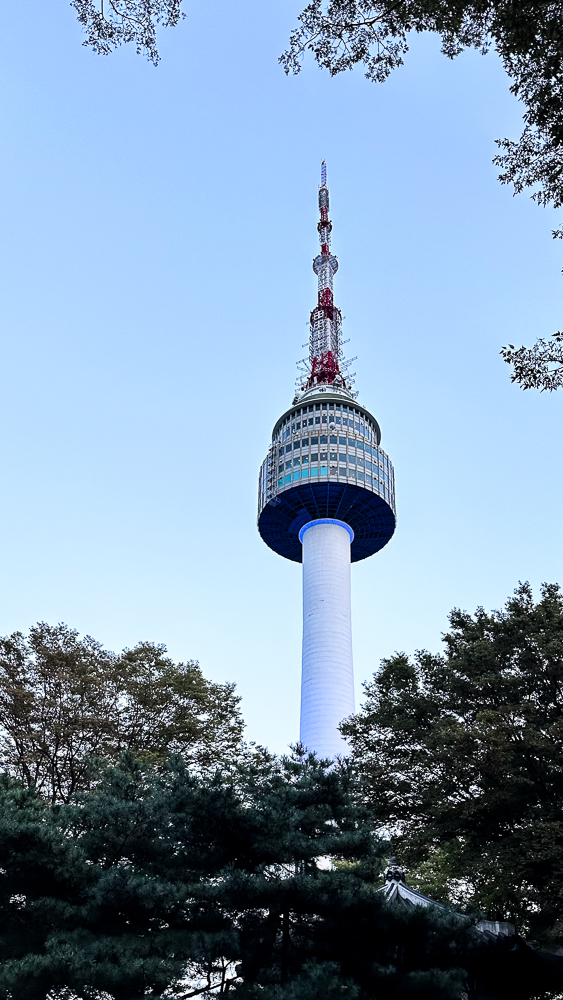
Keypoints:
pixel 315 457
pixel 314 440
pixel 305 459
pixel 317 420
pixel 311 419
pixel 296 461
pixel 333 456
pixel 295 444
pixel 333 439
pixel 304 442
pixel 288 465
pixel 287 448
pixel 324 439
pixel 337 420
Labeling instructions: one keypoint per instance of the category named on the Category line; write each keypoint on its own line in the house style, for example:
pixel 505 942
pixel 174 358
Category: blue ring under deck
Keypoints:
pixel 370 517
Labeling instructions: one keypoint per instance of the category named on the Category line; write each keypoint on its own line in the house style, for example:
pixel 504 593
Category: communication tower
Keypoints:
pixel 326 498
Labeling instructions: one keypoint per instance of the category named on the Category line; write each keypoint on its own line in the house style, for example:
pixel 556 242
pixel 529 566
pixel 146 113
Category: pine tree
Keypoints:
pixel 160 880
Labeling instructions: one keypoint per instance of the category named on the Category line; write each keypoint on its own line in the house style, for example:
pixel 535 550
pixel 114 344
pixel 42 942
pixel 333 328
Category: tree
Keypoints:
pixel 537 367
pixel 67 705
pixel 463 753
pixel 528 37
pixel 165 883
pixel 111 23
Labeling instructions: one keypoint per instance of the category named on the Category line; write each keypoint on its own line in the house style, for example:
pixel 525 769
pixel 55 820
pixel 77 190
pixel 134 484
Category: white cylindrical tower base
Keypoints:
pixel 327 681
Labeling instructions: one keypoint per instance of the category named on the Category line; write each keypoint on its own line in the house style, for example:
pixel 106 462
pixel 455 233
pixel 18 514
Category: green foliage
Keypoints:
pixel 528 37
pixel 464 757
pixel 537 367
pixel 325 981
pixel 111 23
pixel 66 703
pixel 161 882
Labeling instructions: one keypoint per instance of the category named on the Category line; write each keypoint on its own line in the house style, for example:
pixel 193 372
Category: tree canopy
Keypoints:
pixel 128 871
pixel 537 367
pixel 528 38
pixel 463 753
pixel 68 705
pixel 111 23
pixel 164 883
pixel 374 34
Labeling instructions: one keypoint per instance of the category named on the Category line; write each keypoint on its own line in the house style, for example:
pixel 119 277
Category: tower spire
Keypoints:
pixel 325 364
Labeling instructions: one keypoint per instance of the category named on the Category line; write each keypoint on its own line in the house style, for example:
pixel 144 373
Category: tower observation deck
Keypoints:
pixel 326 498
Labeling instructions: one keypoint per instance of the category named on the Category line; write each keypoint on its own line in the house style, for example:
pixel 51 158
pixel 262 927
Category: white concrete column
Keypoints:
pixel 327 680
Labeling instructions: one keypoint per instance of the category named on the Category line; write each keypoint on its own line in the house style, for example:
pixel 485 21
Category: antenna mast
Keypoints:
pixel 326 365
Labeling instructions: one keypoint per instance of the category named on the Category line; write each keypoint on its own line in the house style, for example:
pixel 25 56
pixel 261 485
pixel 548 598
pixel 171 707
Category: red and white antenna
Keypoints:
pixel 325 364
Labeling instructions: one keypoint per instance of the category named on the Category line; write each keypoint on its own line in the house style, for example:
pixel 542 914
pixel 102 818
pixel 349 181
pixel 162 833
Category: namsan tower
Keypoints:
pixel 326 498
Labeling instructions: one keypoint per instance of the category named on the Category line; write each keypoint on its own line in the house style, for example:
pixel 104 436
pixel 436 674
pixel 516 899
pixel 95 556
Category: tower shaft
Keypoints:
pixel 327 680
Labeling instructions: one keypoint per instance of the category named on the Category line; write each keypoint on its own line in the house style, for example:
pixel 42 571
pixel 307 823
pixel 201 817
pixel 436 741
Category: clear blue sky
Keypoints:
pixel 157 232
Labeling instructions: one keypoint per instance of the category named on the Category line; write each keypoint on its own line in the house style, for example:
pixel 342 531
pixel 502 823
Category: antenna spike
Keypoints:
pixel 325 336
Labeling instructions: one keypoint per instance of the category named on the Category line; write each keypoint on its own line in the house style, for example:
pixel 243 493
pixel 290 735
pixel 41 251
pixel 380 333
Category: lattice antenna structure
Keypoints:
pixel 325 364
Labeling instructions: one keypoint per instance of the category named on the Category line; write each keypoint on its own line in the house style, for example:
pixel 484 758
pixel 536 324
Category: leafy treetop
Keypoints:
pixel 464 757
pixel 67 705
pixel 111 23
